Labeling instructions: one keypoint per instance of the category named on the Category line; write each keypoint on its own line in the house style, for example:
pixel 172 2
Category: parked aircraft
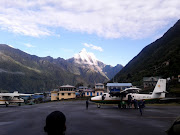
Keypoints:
pixel 7 98
pixel 124 95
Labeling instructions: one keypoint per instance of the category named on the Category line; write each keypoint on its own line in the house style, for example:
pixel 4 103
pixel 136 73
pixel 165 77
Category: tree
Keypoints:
pixel 79 84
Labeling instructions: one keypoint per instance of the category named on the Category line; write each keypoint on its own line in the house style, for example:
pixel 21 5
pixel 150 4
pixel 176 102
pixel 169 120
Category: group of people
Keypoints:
pixel 133 104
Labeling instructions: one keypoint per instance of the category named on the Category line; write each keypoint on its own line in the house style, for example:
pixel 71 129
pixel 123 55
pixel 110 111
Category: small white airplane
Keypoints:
pixel 116 98
pixel 7 98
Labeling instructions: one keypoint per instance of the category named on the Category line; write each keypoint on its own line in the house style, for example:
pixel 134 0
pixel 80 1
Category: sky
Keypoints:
pixel 115 31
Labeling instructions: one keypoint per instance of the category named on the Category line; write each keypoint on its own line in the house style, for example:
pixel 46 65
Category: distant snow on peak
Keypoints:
pixel 84 57
pixel 11 46
pixel 87 60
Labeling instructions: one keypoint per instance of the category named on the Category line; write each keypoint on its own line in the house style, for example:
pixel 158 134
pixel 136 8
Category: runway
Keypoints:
pixel 107 120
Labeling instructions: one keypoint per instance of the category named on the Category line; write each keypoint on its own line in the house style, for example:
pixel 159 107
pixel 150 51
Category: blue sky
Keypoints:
pixel 115 31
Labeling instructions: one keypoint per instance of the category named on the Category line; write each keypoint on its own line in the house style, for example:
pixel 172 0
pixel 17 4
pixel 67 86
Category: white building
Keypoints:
pixel 117 87
pixel 150 81
pixel 99 86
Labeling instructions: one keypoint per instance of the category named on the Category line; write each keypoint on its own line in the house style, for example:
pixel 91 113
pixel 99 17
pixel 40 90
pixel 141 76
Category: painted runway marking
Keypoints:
pixel 161 117
pixel 150 117
pixel 5 123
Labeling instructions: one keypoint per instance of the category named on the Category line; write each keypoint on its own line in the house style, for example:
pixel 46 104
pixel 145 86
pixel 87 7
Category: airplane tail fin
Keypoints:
pixel 160 89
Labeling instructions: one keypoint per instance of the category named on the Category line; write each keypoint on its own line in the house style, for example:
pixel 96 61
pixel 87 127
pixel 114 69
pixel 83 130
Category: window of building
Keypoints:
pixel 87 93
pixel 62 94
pixel 69 94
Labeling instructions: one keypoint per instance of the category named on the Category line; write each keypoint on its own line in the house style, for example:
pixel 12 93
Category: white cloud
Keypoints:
pixel 28 45
pixel 109 19
pixel 93 47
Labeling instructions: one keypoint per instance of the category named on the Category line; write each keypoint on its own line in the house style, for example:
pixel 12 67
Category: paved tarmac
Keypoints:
pixel 107 120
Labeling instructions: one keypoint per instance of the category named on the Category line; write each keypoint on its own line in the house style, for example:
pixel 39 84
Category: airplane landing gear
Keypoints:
pixel 119 105
pixel 6 104
pixel 98 106
pixel 19 104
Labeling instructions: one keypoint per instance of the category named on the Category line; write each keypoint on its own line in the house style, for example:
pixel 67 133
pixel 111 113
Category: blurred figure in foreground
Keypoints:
pixel 55 123
pixel 175 128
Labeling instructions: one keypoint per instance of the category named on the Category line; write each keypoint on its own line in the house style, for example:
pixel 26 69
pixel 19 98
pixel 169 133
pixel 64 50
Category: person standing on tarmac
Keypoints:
pixel 87 104
pixel 129 102
pixel 140 105
pixel 135 104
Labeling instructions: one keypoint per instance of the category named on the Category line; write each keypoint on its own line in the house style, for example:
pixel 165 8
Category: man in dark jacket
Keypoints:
pixel 87 103
pixel 140 105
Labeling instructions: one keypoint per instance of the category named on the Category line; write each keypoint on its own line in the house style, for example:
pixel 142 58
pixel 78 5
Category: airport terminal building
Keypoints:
pixel 64 92
pixel 98 90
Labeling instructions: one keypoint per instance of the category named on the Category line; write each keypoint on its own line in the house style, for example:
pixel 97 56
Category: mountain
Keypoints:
pixel 160 58
pixel 28 73
pixel 22 72
pixel 112 71
pixel 87 60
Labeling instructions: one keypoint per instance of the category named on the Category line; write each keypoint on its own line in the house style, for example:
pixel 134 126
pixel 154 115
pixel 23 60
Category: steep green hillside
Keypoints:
pixel 26 73
pixel 160 58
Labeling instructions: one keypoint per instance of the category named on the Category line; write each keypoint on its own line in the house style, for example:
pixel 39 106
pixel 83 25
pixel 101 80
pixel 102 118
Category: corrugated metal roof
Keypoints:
pixel 81 87
pixel 155 78
pixel 67 86
pixel 119 84
pixel 99 84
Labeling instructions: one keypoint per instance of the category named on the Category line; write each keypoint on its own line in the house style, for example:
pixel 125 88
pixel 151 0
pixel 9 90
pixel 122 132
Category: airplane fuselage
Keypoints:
pixel 108 99
pixel 8 100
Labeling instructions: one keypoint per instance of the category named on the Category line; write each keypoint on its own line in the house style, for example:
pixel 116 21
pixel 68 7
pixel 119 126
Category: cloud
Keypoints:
pixel 108 19
pixel 28 45
pixel 93 47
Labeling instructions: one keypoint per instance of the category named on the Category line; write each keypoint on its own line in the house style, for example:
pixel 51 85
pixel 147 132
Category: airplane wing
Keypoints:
pixel 130 90
pixel 8 94
pixel 15 94
pixel 125 92
pixel 21 94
